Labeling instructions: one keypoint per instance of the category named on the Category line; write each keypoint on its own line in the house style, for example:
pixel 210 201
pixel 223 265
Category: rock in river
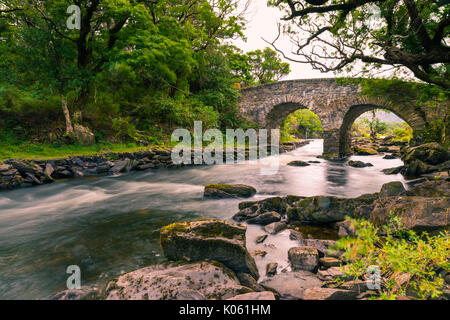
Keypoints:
pixel 392 189
pixel 228 191
pixel 209 239
pixel 298 163
pixel 304 258
pixel 359 164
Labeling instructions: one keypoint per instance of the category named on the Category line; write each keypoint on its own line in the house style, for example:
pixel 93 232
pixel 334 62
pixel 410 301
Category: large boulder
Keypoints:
pixel 228 191
pixel 431 153
pixel 290 285
pixel 418 213
pixel 209 239
pixel 196 281
pixel 326 209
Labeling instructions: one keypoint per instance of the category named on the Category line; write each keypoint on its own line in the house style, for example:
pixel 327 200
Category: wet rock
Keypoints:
pixel 271 269
pixel 390 157
pixel 394 170
pixel 248 281
pixel 265 218
pixel 304 258
pixel 359 164
pixel 275 227
pixel 290 285
pixel 264 295
pixel 209 280
pixel 261 239
pixel 295 235
pixel 392 189
pixel 24 166
pixel 228 191
pixel 416 168
pixel 326 209
pixel 208 239
pixel 84 293
pixel 259 253
pixel 318 293
pixel 298 163
pixel 121 166
pixel 313 161
pixel 365 151
pixel 253 209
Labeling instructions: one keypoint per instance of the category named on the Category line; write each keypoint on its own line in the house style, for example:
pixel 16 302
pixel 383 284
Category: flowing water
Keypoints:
pixel 110 225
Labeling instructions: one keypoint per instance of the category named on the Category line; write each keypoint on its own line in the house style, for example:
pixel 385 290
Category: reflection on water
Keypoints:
pixel 111 225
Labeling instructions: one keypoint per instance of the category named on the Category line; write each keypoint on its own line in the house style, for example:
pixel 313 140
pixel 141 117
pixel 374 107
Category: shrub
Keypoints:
pixel 421 257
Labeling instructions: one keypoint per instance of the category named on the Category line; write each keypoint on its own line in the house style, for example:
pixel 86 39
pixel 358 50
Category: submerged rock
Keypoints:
pixel 298 163
pixel 228 191
pixel 196 281
pixel 394 170
pixel 359 164
pixel 209 239
pixel 271 269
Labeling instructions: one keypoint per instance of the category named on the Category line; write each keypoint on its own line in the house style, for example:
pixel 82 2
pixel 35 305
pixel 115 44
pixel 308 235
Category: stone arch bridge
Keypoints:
pixel 337 106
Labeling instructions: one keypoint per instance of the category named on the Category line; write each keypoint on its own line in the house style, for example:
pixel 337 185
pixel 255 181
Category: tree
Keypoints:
pixel 334 36
pixel 266 66
pixel 375 125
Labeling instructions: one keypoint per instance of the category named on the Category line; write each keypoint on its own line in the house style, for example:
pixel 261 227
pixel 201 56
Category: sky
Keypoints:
pixel 262 23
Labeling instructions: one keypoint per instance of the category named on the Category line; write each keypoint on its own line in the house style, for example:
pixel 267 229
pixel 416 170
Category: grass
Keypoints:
pixel 28 150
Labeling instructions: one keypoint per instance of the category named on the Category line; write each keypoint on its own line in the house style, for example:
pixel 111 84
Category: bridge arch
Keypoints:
pixel 337 105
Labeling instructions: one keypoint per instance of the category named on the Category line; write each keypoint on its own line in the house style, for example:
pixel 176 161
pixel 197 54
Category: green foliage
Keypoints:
pixel 134 72
pixel 301 123
pixel 399 253
pixel 258 66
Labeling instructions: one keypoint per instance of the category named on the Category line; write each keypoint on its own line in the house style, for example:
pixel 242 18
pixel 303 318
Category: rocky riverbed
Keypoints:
pixel 209 259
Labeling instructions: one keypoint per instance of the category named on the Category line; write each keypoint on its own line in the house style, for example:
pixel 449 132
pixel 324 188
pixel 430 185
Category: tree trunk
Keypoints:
pixel 69 127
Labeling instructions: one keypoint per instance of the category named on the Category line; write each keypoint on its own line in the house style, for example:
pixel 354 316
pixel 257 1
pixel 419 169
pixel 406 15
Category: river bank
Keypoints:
pixel 20 173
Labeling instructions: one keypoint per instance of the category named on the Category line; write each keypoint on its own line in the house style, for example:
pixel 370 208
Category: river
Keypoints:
pixel 110 225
